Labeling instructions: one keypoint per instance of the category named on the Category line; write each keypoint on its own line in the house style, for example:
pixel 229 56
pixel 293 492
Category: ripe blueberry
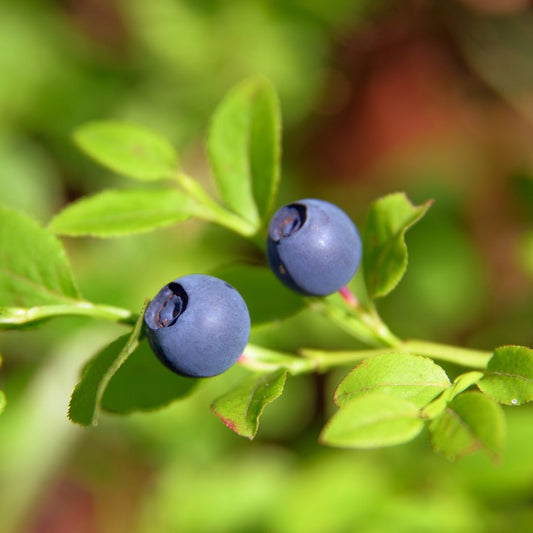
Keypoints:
pixel 198 325
pixel 313 247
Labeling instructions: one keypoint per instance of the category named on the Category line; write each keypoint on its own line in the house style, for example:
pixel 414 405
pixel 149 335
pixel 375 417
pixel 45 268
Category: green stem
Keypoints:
pixel 261 359
pixel 211 210
pixel 265 360
pixel 451 354
pixel 15 316
pixel 325 360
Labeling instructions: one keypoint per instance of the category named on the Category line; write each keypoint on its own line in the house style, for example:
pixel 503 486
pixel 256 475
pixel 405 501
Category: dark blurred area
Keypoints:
pixel 434 98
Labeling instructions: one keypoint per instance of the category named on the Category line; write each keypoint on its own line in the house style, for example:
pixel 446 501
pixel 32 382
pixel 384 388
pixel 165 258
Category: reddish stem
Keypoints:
pixel 349 297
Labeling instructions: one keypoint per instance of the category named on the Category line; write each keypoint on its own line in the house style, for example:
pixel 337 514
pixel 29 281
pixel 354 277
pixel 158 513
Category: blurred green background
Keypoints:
pixel 434 98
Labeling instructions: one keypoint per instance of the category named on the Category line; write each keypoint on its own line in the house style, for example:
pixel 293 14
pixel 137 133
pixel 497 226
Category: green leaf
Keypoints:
pixel 86 400
pixel 33 265
pixel 371 421
pixel 123 212
pixel 385 252
pixel 128 149
pixel 410 377
pixel 470 422
pixel 143 383
pixel 460 384
pixel 509 375
pixel 267 299
pixel 241 407
pixel 244 148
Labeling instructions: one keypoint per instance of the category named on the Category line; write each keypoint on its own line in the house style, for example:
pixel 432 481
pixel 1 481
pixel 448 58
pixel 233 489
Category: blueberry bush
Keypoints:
pixel 393 389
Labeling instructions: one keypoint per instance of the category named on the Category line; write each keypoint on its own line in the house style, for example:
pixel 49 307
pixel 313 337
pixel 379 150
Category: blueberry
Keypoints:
pixel 198 325
pixel 313 247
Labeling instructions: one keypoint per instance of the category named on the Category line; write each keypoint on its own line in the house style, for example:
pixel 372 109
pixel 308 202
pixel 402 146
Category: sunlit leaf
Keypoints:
pixel 460 384
pixel 128 149
pixel 509 375
pixel 241 407
pixel 384 248
pixel 244 148
pixel 470 422
pixel 123 212
pixel 410 377
pixel 33 265
pixel 372 421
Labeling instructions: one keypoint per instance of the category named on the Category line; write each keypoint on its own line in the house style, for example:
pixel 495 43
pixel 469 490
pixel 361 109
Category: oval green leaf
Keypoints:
pixel 509 375
pixel 372 421
pixel 241 407
pixel 128 149
pixel 410 377
pixel 470 422
pixel 115 213
pixel 244 148
pixel 34 269
pixel 385 251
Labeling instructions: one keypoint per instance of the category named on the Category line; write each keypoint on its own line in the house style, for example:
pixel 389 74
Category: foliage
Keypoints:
pixel 395 390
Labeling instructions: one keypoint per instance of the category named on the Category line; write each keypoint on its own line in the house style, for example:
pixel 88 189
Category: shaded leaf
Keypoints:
pixel 128 149
pixel 509 375
pixel 385 251
pixel 372 421
pixel 267 299
pixel 34 269
pixel 241 407
pixel 410 377
pixel 86 399
pixel 144 383
pixel 470 422
pixel 244 148
pixel 123 212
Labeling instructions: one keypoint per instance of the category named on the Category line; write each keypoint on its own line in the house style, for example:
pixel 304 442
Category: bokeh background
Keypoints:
pixel 434 98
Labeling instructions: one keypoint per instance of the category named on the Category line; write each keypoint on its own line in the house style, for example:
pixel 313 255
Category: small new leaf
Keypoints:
pixel 33 265
pixel 410 377
pixel 115 213
pixel 241 407
pixel 128 149
pixel 244 148
pixel 371 421
pixel 470 422
pixel 385 251
pixel 86 400
pixel 509 375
